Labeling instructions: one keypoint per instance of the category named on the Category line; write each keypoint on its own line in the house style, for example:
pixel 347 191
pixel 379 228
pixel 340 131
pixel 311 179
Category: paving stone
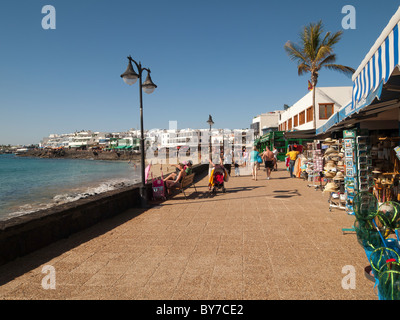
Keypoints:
pixel 261 240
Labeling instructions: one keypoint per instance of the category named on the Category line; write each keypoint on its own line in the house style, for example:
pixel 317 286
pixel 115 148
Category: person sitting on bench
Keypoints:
pixel 175 178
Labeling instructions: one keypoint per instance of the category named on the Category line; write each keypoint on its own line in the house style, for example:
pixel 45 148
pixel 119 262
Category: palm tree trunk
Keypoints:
pixel 314 80
pixel 314 108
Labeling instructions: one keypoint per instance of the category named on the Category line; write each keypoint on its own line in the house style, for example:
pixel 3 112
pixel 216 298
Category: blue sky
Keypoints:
pixel 220 57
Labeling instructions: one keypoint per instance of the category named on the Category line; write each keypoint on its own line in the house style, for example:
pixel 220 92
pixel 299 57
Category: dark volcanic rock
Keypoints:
pixel 82 154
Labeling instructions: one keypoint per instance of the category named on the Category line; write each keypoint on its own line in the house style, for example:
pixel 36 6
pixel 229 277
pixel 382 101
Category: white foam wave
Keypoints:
pixel 70 196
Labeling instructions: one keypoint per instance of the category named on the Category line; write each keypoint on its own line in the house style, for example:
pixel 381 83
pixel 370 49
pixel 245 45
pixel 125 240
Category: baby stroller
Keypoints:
pixel 218 177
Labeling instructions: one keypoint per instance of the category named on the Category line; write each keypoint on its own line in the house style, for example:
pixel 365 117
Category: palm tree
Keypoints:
pixel 314 53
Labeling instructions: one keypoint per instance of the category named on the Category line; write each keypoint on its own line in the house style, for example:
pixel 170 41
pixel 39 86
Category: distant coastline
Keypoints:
pixel 82 154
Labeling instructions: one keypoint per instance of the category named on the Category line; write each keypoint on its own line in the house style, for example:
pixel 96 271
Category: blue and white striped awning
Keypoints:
pixel 373 72
pixel 378 65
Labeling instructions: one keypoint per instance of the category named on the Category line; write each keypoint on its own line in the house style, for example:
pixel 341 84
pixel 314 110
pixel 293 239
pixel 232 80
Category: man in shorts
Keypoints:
pixel 269 161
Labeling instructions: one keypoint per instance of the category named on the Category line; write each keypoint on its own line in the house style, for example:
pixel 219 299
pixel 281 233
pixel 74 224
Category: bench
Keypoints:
pixel 186 182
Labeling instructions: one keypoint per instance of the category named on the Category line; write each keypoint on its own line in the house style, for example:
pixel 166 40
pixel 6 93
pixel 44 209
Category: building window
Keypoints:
pixel 302 118
pixel 290 124
pixel 325 110
pixel 296 120
pixel 310 114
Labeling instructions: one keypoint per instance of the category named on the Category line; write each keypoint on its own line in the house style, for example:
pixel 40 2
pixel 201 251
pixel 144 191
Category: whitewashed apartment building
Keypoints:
pixel 328 100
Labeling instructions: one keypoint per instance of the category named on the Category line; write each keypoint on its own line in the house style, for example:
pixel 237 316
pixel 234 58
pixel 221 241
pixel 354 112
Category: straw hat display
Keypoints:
pixel 330 166
pixel 339 176
pixel 330 150
pixel 329 141
pixel 330 153
pixel 334 157
pixel 331 187
pixel 330 174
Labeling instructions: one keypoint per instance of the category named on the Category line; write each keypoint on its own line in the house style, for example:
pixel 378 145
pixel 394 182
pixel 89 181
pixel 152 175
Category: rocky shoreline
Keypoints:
pixel 82 154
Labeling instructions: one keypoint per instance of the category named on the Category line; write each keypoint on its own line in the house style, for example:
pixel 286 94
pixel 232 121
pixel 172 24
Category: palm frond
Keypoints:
pixel 294 52
pixel 315 51
pixel 323 52
pixel 311 39
pixel 331 40
pixel 329 59
pixel 338 67
pixel 302 68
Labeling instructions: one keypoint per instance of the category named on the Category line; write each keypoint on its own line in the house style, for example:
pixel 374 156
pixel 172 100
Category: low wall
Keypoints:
pixel 22 235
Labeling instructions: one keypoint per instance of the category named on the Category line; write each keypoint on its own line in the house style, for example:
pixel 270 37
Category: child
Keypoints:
pixel 237 172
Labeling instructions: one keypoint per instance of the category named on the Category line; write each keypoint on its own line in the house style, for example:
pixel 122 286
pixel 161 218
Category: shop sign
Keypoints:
pixel 349 134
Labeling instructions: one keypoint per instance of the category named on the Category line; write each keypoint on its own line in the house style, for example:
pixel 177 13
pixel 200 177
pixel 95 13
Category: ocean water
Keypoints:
pixel 31 184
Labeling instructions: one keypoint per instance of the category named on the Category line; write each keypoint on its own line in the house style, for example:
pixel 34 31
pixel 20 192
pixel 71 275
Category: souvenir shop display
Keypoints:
pixel 333 173
pixel 385 180
pixel 364 163
pixel 372 162
pixel 315 164
pixel 309 163
pixel 350 161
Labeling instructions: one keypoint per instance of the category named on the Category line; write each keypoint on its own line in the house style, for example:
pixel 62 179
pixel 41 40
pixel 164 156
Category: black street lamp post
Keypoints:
pixel 210 122
pixel 130 77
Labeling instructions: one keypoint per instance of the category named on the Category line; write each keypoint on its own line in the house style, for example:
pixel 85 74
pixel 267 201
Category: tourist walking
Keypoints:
pixel 254 163
pixel 275 152
pixel 292 160
pixel 269 161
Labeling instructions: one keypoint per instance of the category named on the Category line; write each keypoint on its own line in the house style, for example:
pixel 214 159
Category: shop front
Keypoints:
pixel 281 141
pixel 368 139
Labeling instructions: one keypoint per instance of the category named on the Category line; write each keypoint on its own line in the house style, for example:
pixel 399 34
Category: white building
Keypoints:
pixel 81 139
pixel 56 140
pixel 183 137
pixel 328 100
pixel 265 122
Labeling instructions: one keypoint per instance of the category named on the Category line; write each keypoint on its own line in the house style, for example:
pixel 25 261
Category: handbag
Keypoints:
pixel 259 159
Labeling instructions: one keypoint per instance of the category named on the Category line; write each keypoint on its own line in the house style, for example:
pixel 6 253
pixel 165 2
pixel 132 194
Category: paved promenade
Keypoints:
pixel 264 239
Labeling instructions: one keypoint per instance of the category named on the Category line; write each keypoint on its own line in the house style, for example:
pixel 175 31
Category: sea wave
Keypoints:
pixel 69 196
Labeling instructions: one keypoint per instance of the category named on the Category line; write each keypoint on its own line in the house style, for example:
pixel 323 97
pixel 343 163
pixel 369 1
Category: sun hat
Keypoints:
pixel 329 166
pixel 330 150
pixel 334 157
pixel 330 174
pixel 329 141
pixel 337 143
pixel 331 187
pixel 339 176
